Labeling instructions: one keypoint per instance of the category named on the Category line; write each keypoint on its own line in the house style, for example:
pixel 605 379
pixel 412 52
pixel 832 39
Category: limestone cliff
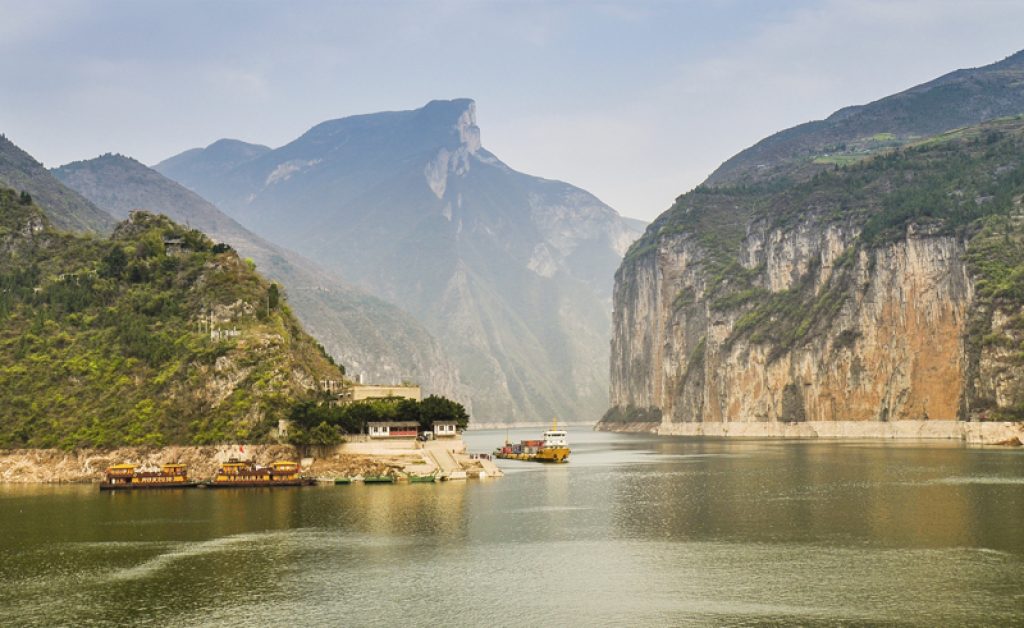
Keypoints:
pixel 886 291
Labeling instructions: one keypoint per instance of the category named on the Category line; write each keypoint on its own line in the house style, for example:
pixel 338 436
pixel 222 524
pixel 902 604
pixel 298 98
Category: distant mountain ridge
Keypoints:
pixel 961 98
pixel 66 209
pixel 511 272
pixel 367 335
pixel 210 163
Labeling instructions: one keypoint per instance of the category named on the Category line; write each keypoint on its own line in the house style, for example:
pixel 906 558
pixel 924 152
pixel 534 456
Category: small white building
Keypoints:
pixel 393 429
pixel 445 429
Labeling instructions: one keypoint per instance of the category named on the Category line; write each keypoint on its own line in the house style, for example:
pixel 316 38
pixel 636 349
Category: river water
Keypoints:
pixel 635 531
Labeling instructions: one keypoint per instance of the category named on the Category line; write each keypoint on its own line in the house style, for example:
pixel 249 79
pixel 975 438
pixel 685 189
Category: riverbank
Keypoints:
pixel 973 433
pixel 347 460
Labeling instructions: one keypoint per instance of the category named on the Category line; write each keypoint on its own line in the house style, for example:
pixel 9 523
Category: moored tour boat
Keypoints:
pixel 553 448
pixel 237 473
pixel 127 477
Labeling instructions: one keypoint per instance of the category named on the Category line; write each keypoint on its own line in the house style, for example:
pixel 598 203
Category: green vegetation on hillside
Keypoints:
pixel 959 99
pixel 154 336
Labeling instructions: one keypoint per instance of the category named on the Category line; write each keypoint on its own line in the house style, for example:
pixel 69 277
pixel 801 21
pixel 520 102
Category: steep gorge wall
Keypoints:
pixel 891 343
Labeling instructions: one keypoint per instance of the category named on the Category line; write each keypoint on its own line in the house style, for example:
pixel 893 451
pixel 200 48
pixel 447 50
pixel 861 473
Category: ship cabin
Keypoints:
pixel 177 471
pixel 554 438
pixel 120 474
pixel 235 467
pixel 284 470
pixel 235 470
pixel 393 429
pixel 445 429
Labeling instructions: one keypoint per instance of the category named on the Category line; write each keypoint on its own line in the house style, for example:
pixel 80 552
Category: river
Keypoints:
pixel 635 531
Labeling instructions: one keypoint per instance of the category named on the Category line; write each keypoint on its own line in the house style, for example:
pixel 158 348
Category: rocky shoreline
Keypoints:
pixel 34 466
pixel 972 433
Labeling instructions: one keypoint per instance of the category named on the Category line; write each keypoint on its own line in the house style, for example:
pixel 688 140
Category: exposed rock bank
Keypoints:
pixel 352 460
pixel 1006 434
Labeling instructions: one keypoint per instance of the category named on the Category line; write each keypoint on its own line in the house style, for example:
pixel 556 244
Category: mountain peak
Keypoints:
pixel 460 112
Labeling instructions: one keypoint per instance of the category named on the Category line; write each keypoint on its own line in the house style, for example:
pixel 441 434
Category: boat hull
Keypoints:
pixel 261 483
pixel 553 455
pixel 140 486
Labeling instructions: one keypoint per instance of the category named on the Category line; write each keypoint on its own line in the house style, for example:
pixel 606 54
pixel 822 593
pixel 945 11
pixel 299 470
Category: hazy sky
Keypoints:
pixel 635 101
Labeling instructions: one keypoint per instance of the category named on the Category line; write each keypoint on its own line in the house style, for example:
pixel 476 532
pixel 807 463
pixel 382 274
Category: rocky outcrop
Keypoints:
pixel 894 350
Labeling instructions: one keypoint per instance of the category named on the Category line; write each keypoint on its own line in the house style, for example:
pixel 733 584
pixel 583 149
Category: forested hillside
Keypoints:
pixel 154 336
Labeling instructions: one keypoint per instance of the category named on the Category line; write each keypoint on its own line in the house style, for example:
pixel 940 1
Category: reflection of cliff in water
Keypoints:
pixel 845 493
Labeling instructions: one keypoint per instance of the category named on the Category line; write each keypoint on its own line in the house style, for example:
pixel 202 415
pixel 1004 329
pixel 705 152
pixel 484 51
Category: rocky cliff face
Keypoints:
pixel 822 302
pixel 895 349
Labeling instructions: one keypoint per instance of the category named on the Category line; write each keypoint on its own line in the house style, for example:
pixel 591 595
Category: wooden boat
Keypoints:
pixel 343 480
pixel 127 477
pixel 378 479
pixel 236 474
pixel 422 478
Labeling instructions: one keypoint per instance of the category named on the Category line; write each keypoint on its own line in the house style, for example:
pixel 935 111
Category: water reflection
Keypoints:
pixel 882 494
pixel 634 531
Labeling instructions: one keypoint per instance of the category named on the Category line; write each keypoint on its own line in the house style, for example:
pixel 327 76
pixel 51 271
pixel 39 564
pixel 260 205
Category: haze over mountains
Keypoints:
pixel 511 272
pixel 369 336
pixel 66 209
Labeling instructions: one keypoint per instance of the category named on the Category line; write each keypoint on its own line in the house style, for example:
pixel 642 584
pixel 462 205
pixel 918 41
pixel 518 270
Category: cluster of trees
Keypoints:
pixel 317 423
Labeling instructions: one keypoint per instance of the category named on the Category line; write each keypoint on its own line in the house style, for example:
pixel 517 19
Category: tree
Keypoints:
pixel 25 198
pixel 273 296
pixel 324 435
pixel 115 261
pixel 435 408
pixel 305 415
pixel 357 415
pixel 408 410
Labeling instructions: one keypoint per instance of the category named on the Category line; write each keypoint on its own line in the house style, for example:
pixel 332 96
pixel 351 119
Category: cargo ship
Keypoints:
pixel 552 448
pixel 127 477
pixel 237 473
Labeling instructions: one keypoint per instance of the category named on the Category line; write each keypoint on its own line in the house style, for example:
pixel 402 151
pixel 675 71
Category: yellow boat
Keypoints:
pixel 126 476
pixel 553 448
pixel 234 473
